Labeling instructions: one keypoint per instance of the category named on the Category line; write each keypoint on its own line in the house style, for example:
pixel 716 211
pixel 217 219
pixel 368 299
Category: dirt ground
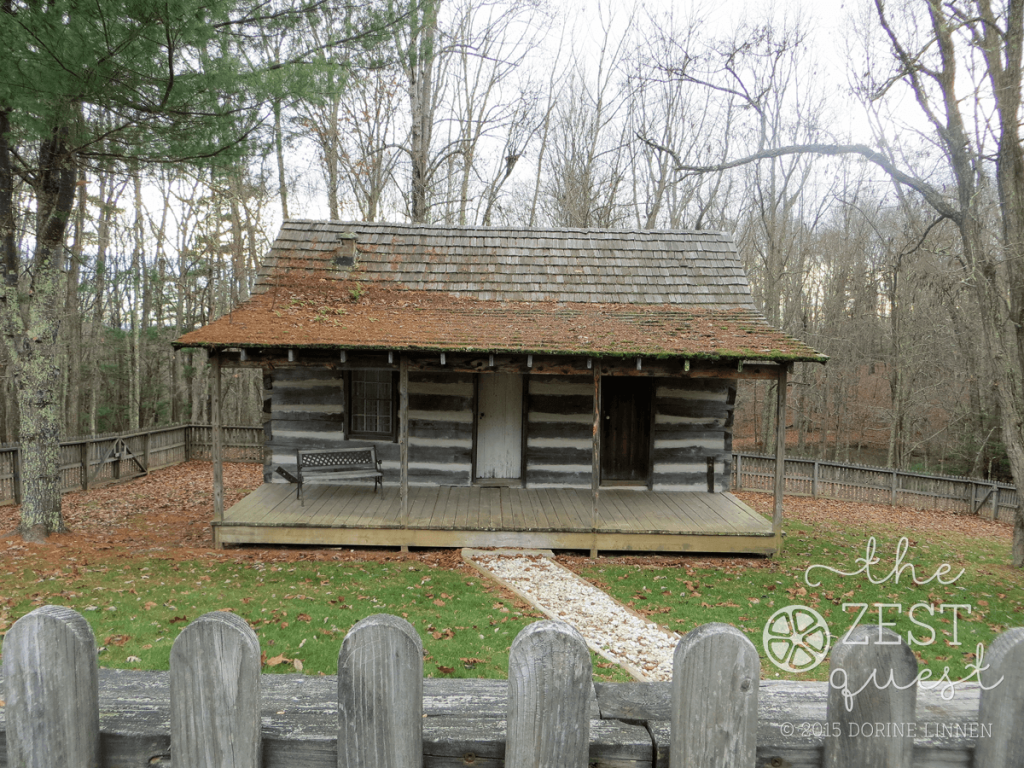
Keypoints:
pixel 167 514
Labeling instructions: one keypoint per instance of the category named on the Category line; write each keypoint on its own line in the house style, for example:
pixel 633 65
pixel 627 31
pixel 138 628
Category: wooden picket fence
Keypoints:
pixel 212 709
pixel 877 485
pixel 90 462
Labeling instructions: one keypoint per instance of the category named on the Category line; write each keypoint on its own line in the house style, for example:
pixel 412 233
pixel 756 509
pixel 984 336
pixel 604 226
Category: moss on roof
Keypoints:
pixel 350 314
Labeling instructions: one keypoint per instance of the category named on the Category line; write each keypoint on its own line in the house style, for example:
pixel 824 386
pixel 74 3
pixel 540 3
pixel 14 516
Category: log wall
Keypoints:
pixel 692 424
pixel 307 410
pixel 559 431
pixel 440 429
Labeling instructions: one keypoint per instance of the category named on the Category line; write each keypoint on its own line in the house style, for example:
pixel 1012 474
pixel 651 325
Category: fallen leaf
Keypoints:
pixel 297 663
pixel 117 640
pixel 446 670
pixel 277 660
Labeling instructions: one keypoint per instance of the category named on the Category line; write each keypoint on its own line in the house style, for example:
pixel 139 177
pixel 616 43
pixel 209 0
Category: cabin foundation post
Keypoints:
pixel 403 439
pixel 780 455
pixel 595 471
pixel 218 450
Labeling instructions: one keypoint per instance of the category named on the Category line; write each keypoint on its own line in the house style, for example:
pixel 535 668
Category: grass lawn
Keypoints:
pixel 745 593
pixel 300 611
pixel 138 568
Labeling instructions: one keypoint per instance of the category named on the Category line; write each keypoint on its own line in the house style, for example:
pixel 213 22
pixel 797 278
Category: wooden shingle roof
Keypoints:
pixel 535 265
pixel 413 287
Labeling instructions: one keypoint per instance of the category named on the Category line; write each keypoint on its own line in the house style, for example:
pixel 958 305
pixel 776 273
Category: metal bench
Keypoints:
pixel 337 466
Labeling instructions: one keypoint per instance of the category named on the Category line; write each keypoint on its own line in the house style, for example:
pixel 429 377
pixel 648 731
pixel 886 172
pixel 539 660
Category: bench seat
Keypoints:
pixel 337 466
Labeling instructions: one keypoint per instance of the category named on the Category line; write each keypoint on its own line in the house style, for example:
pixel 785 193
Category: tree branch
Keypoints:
pixel 926 190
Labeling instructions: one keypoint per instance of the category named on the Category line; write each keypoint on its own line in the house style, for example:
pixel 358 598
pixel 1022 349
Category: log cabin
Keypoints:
pixel 569 388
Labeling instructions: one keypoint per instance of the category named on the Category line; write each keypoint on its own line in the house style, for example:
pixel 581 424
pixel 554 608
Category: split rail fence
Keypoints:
pixel 877 485
pixel 89 462
pixel 214 708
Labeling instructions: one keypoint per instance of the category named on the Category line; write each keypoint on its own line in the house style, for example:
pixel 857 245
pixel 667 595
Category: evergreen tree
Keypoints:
pixel 130 81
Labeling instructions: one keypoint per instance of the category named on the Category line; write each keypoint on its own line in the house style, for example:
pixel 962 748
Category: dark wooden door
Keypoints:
pixel 625 430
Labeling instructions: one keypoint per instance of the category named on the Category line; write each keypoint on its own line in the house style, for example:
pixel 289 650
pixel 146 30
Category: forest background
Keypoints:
pixel 523 113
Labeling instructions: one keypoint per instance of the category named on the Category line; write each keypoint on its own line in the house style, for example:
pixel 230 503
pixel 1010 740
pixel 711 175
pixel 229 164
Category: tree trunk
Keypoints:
pixel 135 361
pixel 35 347
pixel 279 152
pixel 108 196
pixel 421 79
pixel 767 439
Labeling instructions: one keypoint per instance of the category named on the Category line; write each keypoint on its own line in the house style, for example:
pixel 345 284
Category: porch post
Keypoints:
pixel 403 439
pixel 217 452
pixel 595 472
pixel 780 454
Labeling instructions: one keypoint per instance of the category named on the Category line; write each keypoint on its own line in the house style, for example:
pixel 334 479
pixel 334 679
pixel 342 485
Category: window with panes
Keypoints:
pixel 371 405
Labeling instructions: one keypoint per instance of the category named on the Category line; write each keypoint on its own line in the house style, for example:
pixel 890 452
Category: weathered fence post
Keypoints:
pixel 380 695
pixel 715 677
pixel 53 715
pixel 549 680
pixel 85 464
pixel 872 681
pixel 17 466
pixel 739 472
pixel 1000 741
pixel 895 487
pixel 215 694
pixel 814 480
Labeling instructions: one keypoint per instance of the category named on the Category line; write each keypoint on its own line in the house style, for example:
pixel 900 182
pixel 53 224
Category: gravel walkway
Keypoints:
pixel 640 646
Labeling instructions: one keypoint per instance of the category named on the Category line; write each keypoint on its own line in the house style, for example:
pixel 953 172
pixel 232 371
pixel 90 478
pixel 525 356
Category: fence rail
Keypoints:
pixel 877 485
pixel 89 462
pixel 214 708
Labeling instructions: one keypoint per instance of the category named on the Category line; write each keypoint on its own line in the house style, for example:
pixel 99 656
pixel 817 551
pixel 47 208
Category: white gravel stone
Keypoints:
pixel 609 629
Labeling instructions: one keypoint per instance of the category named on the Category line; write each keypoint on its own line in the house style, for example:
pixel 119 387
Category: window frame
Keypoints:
pixel 350 433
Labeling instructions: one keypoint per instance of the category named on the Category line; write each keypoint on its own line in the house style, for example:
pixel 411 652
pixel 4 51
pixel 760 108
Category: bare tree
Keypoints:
pixel 587 169
pixel 929 45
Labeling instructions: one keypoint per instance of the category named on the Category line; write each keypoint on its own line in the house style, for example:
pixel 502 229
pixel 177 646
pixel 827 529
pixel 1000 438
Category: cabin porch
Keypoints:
pixel 628 519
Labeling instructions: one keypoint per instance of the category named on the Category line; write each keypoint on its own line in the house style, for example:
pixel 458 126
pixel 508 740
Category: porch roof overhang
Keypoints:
pixel 338 316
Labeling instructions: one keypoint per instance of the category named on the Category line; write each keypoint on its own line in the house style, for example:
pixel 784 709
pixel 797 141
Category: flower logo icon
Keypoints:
pixel 796 638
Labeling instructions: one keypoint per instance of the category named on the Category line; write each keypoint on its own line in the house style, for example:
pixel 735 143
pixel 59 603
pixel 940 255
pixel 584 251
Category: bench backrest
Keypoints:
pixel 342 457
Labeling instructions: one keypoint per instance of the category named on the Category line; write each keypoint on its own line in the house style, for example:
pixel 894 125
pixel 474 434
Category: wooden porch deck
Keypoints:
pixel 479 516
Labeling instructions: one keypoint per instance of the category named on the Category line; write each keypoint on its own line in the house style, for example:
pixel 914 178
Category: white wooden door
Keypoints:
pixel 499 426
